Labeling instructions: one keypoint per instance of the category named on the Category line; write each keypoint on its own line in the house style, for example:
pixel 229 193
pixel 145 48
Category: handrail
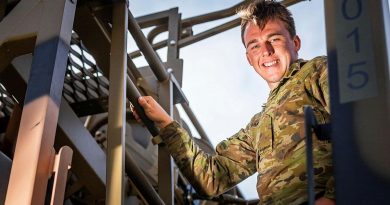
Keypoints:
pixel 189 22
pixel 193 39
pixel 150 55
pixel 208 17
pixel 133 94
pixel 213 15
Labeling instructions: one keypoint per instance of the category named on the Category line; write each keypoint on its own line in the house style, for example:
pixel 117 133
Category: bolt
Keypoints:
pixel 172 43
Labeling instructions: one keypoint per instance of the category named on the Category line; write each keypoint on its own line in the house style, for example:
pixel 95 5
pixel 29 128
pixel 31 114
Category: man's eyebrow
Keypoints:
pixel 251 41
pixel 274 34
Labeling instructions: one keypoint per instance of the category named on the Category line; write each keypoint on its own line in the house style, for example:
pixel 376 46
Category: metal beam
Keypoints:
pixel 34 148
pixel 153 19
pixel 166 182
pixel 88 158
pixel 117 106
pixel 165 162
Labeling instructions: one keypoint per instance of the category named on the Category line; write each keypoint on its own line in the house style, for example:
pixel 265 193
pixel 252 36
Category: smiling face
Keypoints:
pixel 271 50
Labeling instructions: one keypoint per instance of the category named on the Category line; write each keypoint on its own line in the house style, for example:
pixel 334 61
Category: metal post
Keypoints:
pixel 117 106
pixel 165 163
pixel 62 163
pixel 12 130
pixel 34 148
pixel 358 60
pixel 166 183
pixel 173 35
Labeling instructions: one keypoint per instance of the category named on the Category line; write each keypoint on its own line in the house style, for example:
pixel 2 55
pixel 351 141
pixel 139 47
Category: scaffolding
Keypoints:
pixel 67 81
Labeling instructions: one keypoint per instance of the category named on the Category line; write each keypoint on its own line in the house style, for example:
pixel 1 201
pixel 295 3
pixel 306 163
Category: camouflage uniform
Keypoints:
pixel 271 144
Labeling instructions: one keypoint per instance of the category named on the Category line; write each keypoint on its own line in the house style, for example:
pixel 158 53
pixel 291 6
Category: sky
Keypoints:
pixel 223 90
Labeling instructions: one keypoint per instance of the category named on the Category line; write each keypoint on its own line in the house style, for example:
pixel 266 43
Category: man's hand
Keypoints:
pixel 153 111
pixel 325 201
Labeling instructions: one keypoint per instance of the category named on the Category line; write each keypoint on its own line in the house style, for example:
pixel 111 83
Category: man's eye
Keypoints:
pixel 274 40
pixel 255 47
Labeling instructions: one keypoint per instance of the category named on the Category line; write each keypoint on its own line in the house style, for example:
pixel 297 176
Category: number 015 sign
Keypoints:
pixel 355 57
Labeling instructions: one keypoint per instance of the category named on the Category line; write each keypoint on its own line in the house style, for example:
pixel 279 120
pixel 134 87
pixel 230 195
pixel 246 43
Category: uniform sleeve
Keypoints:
pixel 324 85
pixel 319 84
pixel 211 175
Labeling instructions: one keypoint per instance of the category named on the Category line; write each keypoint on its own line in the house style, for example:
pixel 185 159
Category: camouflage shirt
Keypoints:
pixel 272 144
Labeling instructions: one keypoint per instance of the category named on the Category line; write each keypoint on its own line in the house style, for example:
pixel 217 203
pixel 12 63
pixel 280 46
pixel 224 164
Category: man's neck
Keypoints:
pixel 273 85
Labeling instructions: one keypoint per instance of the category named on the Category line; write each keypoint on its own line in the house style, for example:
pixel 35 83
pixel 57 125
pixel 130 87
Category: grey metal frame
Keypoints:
pixel 34 147
pixel 115 189
pixel 88 163
pixel 360 126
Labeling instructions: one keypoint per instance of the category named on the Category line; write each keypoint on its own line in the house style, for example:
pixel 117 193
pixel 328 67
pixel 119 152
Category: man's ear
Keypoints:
pixel 249 60
pixel 297 43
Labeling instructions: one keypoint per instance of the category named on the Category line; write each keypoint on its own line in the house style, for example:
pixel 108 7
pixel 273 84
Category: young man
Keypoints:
pixel 272 144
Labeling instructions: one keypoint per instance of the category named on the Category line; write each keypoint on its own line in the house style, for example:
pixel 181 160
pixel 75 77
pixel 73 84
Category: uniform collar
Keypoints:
pixel 292 70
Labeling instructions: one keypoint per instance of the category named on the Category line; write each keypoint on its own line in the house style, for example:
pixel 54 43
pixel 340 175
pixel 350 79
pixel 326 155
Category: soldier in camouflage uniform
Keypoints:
pixel 272 144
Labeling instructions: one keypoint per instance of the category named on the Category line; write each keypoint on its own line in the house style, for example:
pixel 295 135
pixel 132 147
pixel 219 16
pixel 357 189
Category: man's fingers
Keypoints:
pixel 147 102
pixel 144 102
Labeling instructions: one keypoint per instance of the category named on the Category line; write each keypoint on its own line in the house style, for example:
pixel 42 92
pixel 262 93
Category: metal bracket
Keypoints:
pixel 62 163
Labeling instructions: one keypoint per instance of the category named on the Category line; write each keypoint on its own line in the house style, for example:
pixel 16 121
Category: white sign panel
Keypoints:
pixel 355 57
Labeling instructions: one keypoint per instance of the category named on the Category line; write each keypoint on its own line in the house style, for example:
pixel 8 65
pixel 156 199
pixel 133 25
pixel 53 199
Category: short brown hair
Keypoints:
pixel 261 11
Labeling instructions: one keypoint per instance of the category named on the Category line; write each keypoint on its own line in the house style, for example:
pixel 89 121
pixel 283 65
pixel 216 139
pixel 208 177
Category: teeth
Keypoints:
pixel 270 63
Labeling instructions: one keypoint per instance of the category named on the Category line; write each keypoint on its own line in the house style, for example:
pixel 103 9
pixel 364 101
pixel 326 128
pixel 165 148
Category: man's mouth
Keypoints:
pixel 270 63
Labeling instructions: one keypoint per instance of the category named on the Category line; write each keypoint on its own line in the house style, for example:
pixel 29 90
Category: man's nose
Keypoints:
pixel 267 49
